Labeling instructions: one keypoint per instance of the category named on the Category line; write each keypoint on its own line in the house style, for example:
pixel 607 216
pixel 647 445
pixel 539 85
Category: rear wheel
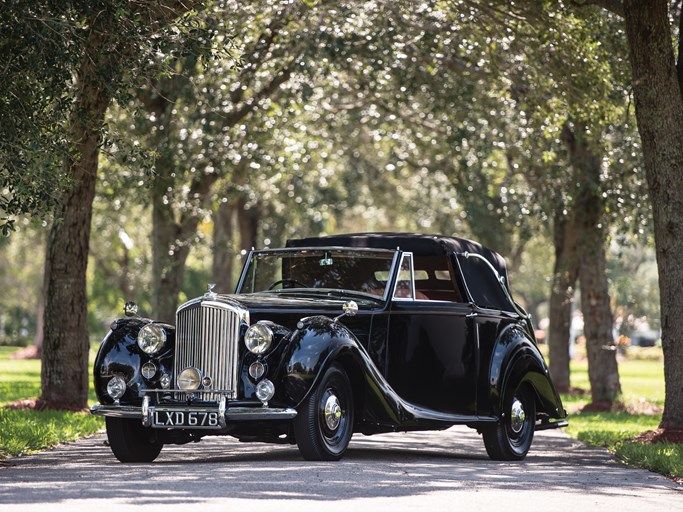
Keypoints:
pixel 512 437
pixel 131 442
pixel 324 423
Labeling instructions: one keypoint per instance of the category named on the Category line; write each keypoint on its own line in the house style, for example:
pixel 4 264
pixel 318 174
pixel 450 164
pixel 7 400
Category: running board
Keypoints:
pixel 421 413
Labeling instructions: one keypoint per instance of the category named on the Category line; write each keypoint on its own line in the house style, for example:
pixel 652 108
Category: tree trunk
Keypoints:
pixel 223 249
pixel 64 375
pixel 565 273
pixel 603 371
pixel 170 248
pixel 659 111
pixel 40 323
pixel 248 220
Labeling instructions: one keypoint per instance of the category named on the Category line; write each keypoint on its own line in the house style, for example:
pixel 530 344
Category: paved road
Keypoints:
pixel 427 471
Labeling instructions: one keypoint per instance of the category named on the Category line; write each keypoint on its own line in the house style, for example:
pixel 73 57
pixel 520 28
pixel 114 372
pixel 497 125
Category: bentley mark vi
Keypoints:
pixel 359 333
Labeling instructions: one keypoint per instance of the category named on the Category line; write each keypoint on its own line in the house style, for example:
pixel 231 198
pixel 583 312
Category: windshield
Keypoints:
pixel 350 270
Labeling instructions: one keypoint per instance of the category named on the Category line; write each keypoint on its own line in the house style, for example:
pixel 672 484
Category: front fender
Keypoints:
pixel 317 342
pixel 119 354
pixel 517 360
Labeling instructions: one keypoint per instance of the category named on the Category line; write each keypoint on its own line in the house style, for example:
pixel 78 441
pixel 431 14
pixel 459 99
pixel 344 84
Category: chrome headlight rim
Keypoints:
pixel 151 338
pixel 258 338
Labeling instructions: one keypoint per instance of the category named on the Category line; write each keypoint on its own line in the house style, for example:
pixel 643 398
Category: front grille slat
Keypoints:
pixel 207 338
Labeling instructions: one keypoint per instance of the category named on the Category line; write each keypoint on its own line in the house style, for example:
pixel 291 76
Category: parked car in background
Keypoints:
pixel 645 338
pixel 361 333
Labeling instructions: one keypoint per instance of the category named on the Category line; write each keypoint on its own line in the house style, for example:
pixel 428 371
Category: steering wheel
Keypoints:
pixel 283 281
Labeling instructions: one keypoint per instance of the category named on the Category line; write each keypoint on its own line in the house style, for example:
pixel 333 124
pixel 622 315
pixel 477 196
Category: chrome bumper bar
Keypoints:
pixel 145 413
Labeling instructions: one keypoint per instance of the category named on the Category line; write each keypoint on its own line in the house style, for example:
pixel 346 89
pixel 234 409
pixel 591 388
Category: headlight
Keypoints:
pixel 189 379
pixel 258 338
pixel 151 338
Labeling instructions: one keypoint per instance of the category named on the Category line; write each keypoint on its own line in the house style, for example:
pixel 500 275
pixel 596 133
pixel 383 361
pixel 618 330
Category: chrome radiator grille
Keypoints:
pixel 207 338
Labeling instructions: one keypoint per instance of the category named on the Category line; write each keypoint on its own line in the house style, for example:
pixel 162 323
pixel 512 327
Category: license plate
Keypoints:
pixel 186 419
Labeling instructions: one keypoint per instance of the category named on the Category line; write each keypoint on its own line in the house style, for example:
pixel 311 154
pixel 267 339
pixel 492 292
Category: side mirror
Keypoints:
pixel 350 309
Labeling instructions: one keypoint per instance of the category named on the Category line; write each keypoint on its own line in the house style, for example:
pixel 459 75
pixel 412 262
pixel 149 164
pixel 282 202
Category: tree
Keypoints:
pixel 567 89
pixel 35 86
pixel 103 43
pixel 197 122
pixel 657 81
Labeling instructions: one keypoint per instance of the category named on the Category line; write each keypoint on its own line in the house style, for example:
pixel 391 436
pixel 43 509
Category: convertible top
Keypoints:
pixel 418 244
pixel 485 290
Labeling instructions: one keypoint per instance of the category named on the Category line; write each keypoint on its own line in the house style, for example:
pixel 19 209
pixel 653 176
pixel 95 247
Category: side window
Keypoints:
pixel 405 287
pixel 433 279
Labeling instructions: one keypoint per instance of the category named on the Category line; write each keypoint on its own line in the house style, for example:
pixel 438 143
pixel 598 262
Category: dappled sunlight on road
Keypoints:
pixel 390 469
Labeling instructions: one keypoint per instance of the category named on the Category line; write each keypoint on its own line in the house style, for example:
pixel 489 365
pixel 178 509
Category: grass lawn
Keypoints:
pixel 642 383
pixel 640 379
pixel 19 379
pixel 25 431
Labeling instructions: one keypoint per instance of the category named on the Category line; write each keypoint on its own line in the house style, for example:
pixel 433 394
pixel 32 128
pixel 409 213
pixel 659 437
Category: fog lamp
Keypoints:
pixel 149 370
pixel 265 390
pixel 256 370
pixel 189 379
pixel 116 387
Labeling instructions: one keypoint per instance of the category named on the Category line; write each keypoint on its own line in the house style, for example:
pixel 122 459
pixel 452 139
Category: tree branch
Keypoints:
pixel 613 6
pixel 161 13
pixel 266 92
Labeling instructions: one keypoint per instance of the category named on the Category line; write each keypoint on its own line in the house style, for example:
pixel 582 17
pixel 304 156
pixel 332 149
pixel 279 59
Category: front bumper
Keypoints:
pixel 145 413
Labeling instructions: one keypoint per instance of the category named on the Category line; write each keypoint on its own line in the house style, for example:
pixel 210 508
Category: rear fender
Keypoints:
pixel 516 360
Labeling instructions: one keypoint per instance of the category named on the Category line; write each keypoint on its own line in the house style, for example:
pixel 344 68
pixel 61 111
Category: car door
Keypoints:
pixel 432 353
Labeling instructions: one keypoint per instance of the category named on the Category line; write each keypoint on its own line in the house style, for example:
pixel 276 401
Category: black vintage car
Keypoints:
pixel 364 333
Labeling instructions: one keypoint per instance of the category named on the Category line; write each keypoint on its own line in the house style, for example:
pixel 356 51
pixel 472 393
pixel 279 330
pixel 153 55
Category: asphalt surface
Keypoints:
pixel 426 471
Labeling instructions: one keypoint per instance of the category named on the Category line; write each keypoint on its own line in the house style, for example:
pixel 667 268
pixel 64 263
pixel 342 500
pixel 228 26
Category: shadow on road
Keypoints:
pixel 391 465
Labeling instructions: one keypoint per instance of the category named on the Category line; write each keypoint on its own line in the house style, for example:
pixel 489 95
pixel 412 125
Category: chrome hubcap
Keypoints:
pixel 333 412
pixel 517 416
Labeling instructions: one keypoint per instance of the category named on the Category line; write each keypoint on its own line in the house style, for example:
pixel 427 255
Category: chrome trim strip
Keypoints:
pixel 260 413
pixel 411 272
pixel 243 274
pixel 116 411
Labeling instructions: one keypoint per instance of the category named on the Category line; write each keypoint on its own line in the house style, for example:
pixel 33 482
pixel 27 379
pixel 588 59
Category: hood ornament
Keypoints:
pixel 210 293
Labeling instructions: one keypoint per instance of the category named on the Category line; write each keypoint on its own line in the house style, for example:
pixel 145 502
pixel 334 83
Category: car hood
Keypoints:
pixel 304 302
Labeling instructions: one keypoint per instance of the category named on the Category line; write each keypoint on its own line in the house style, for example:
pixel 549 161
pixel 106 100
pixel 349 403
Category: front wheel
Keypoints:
pixel 511 438
pixel 131 442
pixel 324 423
